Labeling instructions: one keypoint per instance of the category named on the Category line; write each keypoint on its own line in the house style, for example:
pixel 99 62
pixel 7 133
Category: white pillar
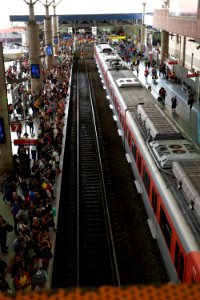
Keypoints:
pixel 34 54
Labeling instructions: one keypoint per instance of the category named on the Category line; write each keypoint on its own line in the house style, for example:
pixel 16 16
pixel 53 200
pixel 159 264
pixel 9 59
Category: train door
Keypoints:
pixel 154 199
pixel 166 228
pixel 139 163
pixel 134 150
pixel 128 136
pixel 146 180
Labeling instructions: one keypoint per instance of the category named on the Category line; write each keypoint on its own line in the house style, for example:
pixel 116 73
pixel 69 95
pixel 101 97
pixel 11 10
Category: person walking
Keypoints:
pixel 137 70
pixel 174 103
pixel 146 73
pixel 154 75
pixel 162 94
pixel 191 100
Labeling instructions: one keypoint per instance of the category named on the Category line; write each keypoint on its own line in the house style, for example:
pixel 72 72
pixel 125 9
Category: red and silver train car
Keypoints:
pixel 165 164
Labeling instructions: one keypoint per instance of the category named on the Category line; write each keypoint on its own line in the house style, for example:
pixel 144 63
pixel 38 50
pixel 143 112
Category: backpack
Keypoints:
pixel 39 278
pixel 4 286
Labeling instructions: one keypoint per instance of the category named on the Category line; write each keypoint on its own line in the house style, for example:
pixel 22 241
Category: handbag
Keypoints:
pixel 9 227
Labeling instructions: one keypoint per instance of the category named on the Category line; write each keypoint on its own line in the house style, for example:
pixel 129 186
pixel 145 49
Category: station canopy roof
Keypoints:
pixel 83 17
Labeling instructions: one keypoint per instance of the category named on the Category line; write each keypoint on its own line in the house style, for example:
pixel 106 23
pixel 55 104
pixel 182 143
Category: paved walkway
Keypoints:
pixel 188 121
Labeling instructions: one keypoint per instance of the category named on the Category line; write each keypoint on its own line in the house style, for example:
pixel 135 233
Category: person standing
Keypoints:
pixel 33 152
pixel 19 127
pixel 31 125
pixel 3 235
pixel 174 103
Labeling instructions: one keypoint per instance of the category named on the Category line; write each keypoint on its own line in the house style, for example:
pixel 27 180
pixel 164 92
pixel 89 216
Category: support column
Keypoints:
pixel 55 26
pixel 6 156
pixel 48 42
pixel 184 47
pixel 56 33
pixel 34 54
pixel 34 49
pixel 143 29
pixel 164 44
pixel 48 35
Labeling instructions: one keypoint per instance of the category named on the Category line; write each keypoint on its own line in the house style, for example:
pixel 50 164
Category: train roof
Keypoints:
pixel 176 157
pixel 188 175
pixel 157 123
pixel 132 94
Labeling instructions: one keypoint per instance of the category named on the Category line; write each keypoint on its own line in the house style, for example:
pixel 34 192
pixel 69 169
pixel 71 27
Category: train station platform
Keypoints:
pixel 52 139
pixel 188 121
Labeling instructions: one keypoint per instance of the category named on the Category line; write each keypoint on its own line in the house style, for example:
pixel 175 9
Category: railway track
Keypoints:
pixel 91 258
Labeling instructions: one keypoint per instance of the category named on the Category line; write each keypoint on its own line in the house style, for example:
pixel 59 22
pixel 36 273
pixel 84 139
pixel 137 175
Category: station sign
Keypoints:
pixel 192 75
pixel 172 62
pixel 16 126
pixel 94 31
pixel 117 37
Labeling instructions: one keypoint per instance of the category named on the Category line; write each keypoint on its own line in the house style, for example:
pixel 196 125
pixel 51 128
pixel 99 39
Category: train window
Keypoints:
pixel 134 149
pixel 165 227
pixel 139 163
pixel 181 268
pixel 146 180
pixel 179 262
pixel 154 200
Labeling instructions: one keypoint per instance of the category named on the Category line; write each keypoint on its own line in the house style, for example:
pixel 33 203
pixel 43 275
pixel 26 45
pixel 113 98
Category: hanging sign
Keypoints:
pixel 193 75
pixel 172 62
pixel 28 142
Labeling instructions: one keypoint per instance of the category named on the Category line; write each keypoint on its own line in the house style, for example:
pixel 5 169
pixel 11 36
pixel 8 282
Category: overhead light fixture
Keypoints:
pixel 195 41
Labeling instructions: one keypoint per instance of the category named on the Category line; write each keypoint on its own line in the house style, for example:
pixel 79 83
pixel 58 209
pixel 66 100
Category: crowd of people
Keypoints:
pixel 132 56
pixel 29 189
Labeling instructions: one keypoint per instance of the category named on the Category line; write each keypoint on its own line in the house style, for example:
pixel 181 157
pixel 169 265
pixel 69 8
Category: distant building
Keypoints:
pixel 10 36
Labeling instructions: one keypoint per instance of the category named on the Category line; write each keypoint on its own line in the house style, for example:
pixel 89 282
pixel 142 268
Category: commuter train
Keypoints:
pixel 165 163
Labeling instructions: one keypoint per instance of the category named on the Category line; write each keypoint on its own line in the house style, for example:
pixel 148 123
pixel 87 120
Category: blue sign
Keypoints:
pixel 55 40
pixel 67 37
